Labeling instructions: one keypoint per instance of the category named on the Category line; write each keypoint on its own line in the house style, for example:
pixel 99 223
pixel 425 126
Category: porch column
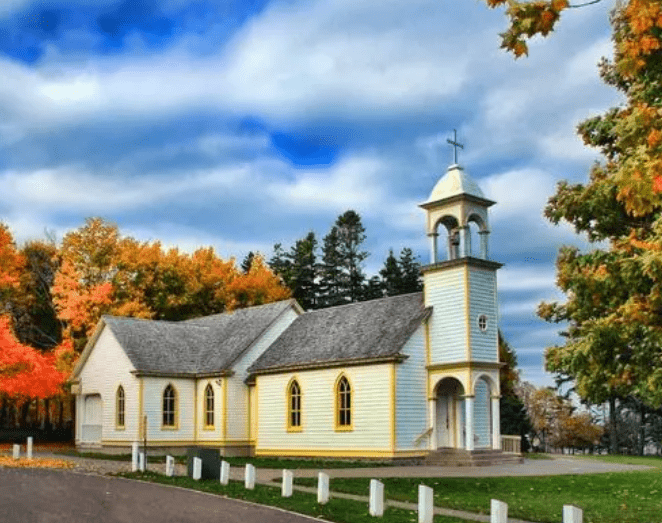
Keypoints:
pixel 432 409
pixel 469 422
pixel 496 424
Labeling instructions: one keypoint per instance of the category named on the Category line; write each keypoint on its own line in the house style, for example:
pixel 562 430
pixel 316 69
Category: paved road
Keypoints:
pixel 50 496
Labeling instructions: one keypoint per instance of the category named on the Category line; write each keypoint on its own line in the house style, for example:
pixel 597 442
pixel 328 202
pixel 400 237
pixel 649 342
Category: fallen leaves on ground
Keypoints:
pixel 35 463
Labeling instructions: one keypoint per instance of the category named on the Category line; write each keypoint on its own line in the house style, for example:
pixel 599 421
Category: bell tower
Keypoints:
pixel 462 332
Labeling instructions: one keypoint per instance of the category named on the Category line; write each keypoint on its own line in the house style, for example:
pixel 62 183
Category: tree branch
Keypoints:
pixel 584 4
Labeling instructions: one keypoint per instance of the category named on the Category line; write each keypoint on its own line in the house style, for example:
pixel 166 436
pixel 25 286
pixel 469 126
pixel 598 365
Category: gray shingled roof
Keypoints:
pixel 365 330
pixel 209 344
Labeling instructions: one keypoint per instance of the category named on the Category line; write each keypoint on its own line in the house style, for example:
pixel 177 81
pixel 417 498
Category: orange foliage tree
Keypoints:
pixel 26 372
pixel 104 273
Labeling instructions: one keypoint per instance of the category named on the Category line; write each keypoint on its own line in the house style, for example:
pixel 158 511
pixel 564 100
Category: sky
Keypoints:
pixel 244 123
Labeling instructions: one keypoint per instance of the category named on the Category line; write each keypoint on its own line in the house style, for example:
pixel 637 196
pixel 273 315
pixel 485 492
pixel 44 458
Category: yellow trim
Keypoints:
pixel 225 408
pixel 141 407
pixel 336 399
pixel 249 413
pixel 195 409
pixel 467 311
pixel 288 406
pixel 428 351
pixel 179 442
pixel 472 365
pixel 393 405
pixel 117 408
pixel 213 410
pixel 257 413
pixel 349 453
pixel 175 426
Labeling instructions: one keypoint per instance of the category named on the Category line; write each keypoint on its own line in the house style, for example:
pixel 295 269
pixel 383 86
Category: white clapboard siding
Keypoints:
pixel 482 418
pixel 484 345
pixel 210 433
pixel 445 291
pixel 370 410
pixel 237 389
pixel 106 368
pixel 153 405
pixel 411 410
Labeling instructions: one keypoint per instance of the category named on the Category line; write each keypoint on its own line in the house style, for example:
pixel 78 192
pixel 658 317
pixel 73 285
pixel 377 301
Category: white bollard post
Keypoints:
pixel 572 514
pixel 134 456
pixel 28 449
pixel 17 451
pixel 249 477
pixel 376 498
pixel 498 511
pixel 425 504
pixel 225 472
pixel 286 489
pixel 142 462
pixel 322 488
pixel 170 466
pixel 197 468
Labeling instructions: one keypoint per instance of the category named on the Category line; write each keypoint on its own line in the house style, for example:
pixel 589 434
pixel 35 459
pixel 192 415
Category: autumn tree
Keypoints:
pixel 11 264
pixel 613 307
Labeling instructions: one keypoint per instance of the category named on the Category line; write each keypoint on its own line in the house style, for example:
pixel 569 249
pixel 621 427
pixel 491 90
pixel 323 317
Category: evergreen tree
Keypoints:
pixel 373 289
pixel 303 263
pixel 410 269
pixel 330 291
pixel 351 235
pixel 248 261
pixel 391 274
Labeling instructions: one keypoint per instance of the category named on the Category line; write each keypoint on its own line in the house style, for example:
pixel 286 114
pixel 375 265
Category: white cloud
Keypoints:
pixel 519 193
pixel 527 278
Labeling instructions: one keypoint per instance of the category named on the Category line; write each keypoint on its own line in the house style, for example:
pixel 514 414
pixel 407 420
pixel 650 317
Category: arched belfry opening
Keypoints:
pixel 457 218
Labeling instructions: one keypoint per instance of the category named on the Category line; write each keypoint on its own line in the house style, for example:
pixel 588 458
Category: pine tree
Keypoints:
pixel 303 272
pixel 248 261
pixel 410 269
pixel 351 235
pixel 331 274
pixel 391 274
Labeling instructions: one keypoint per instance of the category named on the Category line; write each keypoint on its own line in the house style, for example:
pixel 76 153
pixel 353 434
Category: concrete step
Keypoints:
pixel 465 458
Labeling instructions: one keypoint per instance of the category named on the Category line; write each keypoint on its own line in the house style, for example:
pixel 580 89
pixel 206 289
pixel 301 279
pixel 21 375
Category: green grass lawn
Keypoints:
pixel 618 497
pixel 338 510
pixel 265 463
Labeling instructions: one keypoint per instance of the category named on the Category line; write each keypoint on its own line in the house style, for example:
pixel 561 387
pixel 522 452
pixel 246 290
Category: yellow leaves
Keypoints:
pixel 35 463
pixel 11 261
pixel 559 5
pixel 654 138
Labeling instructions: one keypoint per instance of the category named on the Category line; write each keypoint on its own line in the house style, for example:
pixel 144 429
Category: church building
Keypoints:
pixel 398 377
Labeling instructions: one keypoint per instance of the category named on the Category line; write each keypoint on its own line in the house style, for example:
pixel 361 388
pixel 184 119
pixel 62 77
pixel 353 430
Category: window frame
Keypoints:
pixel 175 410
pixel 206 411
pixel 342 406
pixel 291 411
pixel 120 408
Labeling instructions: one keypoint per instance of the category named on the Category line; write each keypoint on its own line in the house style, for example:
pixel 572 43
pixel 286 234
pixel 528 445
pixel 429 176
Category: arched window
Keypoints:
pixel 119 407
pixel 209 406
pixel 169 406
pixel 294 406
pixel 343 404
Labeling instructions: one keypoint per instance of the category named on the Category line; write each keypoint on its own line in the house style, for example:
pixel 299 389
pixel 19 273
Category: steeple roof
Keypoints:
pixel 454 183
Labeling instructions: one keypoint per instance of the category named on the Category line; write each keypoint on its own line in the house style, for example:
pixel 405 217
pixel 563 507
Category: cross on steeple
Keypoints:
pixel 455 145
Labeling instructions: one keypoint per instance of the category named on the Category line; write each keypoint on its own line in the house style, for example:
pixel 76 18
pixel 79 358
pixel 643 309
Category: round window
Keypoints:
pixel 482 322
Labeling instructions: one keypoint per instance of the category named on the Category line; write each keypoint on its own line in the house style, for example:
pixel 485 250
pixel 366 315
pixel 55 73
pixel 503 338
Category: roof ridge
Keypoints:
pixel 355 303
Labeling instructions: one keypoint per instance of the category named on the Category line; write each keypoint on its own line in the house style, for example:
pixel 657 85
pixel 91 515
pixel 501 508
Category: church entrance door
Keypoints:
pixel 449 414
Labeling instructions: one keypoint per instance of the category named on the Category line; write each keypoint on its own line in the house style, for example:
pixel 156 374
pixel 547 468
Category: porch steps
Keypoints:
pixel 449 457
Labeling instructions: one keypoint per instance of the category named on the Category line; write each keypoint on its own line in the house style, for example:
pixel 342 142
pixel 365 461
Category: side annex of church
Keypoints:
pixel 396 377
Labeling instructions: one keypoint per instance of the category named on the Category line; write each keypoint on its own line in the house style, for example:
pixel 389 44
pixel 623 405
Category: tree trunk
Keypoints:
pixel 613 437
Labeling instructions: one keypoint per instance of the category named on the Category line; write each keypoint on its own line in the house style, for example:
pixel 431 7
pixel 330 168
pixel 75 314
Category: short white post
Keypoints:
pixel 572 514
pixel 17 451
pixel 322 488
pixel 249 477
pixel 28 449
pixel 376 507
pixel 170 466
pixel 425 504
pixel 498 511
pixel 225 472
pixel 197 468
pixel 142 462
pixel 286 490
pixel 134 456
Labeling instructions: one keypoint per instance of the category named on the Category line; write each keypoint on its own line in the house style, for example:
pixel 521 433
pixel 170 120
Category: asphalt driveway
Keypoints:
pixel 53 496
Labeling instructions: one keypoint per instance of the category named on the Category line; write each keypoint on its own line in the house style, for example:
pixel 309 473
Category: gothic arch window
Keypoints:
pixel 294 406
pixel 169 407
pixel 209 406
pixel 120 405
pixel 343 393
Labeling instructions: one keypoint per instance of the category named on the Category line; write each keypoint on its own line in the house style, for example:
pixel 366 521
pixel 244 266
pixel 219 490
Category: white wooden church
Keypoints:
pixel 396 377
